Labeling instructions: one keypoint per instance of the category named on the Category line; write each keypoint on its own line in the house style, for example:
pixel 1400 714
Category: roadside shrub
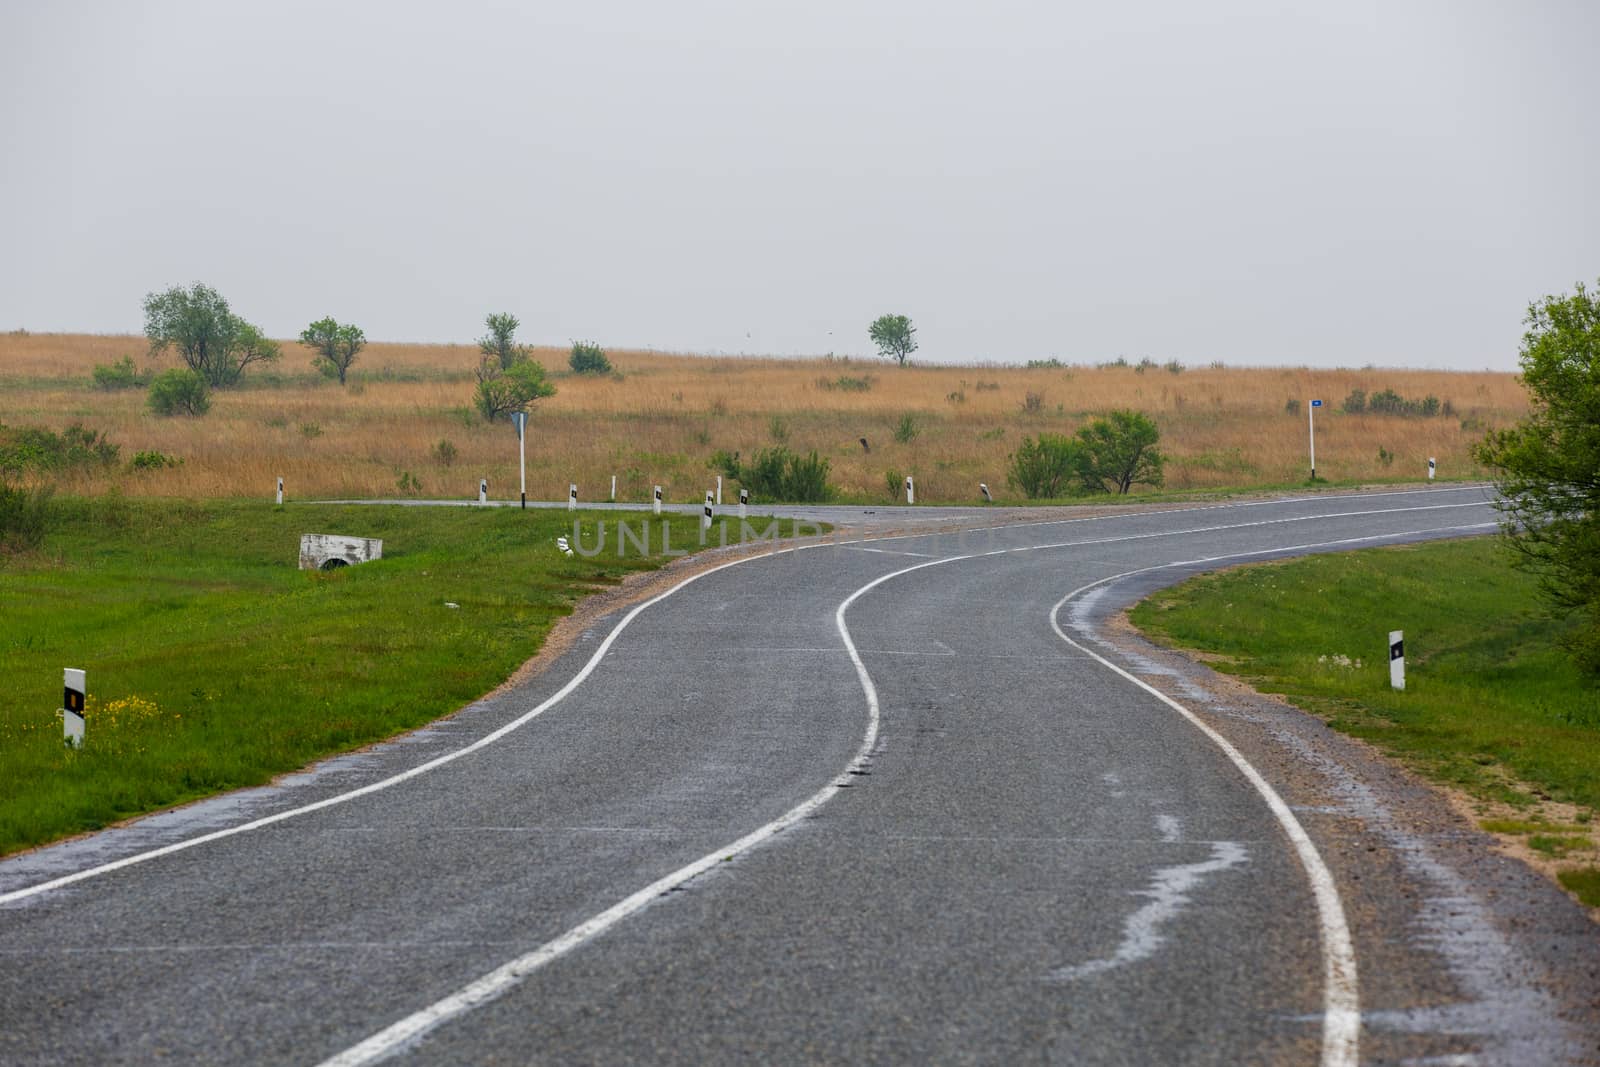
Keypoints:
pixel 588 358
pixel 1045 364
pixel 1390 402
pixel 1356 402
pixel 151 460
pixel 846 383
pixel 892 481
pixel 180 391
pixel 25 516
pixel 907 429
pixel 1032 403
pixel 1046 468
pixel 1291 406
pixel 1173 366
pixel 119 375
pixel 36 449
pixel 777 474
pixel 444 453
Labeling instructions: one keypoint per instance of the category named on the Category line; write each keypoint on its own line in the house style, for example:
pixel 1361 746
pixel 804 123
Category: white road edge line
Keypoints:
pixel 374 787
pixel 1341 1026
pixel 588 668
pixel 503 978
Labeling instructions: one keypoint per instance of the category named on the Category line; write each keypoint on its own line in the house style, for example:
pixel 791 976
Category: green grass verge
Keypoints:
pixel 214 662
pixel 1488 690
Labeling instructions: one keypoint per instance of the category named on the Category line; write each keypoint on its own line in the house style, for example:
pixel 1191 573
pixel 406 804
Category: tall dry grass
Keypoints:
pixel 661 420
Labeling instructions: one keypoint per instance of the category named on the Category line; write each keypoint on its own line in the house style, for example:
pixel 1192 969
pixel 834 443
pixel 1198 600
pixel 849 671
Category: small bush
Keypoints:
pixel 311 430
pixel 1385 457
pixel 1173 366
pixel 408 483
pixel 986 387
pixel 36 449
pixel 907 429
pixel 778 429
pixel 180 391
pixel 846 383
pixel 1356 402
pixel 588 358
pixel 893 481
pixel 1291 406
pixel 1045 364
pixel 444 453
pixel 25 516
pixel 1032 403
pixel 1045 468
pixel 777 474
pixel 119 375
pixel 152 461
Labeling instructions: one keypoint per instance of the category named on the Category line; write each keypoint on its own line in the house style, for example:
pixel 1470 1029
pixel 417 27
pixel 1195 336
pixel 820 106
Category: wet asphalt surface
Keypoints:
pixel 1038 862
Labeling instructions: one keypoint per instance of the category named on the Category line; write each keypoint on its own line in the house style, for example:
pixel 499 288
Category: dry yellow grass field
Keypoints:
pixel 660 421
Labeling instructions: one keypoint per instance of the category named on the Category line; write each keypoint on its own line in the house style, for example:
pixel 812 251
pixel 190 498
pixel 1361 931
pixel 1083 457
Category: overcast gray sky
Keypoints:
pixel 1332 184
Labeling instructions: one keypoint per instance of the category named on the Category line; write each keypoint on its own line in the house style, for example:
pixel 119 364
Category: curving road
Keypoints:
pixel 891 800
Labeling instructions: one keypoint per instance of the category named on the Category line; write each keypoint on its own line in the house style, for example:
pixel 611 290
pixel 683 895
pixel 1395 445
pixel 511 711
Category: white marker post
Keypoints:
pixel 744 504
pixel 719 490
pixel 1397 659
pixel 72 698
pixel 705 521
pixel 1311 417
pixel 987 499
pixel 572 496
pixel 483 490
pixel 911 491
pixel 519 419
pixel 280 491
pixel 613 488
pixel 657 503
pixel 1431 467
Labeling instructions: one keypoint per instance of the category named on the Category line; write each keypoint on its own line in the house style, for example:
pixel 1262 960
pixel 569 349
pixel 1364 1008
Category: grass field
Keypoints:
pixel 213 662
pixel 1491 705
pixel 663 417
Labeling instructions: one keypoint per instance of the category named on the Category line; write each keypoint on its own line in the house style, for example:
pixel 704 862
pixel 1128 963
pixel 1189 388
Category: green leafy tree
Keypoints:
pixel 1121 451
pixel 180 391
pixel 895 337
pixel 1050 467
pixel 500 343
pixel 336 346
pixel 501 393
pixel 588 358
pixel 1549 464
pixel 213 341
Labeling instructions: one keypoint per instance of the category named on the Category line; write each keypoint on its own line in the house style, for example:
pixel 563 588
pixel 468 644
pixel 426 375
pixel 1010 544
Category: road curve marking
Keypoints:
pixel 502 979
pixel 1341 1027
pixel 507 976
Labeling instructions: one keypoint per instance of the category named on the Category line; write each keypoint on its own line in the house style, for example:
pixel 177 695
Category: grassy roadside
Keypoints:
pixel 214 662
pixel 1491 705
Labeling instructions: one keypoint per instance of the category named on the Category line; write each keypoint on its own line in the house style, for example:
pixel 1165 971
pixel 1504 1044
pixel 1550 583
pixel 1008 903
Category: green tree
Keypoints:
pixel 213 341
pixel 1549 464
pixel 588 358
pixel 895 337
pixel 1049 467
pixel 500 343
pixel 179 391
pixel 1121 450
pixel 336 346
pixel 504 392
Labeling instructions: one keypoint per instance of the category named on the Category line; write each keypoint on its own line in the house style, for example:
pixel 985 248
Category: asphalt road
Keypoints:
pixel 899 800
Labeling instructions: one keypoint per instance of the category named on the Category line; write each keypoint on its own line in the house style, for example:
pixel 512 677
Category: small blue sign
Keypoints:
pixel 519 419
pixel 1316 403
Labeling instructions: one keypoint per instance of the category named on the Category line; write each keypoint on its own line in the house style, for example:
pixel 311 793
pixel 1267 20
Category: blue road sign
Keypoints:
pixel 1316 403
pixel 519 419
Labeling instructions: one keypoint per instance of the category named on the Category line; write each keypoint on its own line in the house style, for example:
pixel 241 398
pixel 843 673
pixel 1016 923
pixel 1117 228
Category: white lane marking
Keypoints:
pixel 496 983
pixel 605 645
pixel 1168 893
pixel 891 551
pixel 1341 1025
pixel 503 978
pixel 373 787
